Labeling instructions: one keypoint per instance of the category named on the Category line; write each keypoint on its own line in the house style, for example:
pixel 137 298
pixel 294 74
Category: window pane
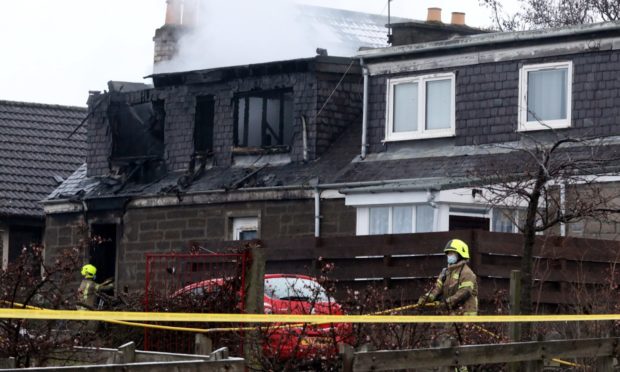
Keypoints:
pixel 248 235
pixel 424 221
pixel 255 122
pixel 546 94
pixel 401 220
pixel 405 107
pixel 272 135
pixel 501 220
pixel 438 104
pixel 241 122
pixel 379 218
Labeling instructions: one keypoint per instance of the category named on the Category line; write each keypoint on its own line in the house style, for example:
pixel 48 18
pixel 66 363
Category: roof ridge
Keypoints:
pixel 42 105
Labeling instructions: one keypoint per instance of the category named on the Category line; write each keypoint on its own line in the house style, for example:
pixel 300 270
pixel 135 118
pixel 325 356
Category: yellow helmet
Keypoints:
pixel 89 271
pixel 458 246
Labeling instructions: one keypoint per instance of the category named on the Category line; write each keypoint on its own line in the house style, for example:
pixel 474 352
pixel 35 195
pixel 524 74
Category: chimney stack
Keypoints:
pixel 173 12
pixel 458 18
pixel 190 13
pixel 434 15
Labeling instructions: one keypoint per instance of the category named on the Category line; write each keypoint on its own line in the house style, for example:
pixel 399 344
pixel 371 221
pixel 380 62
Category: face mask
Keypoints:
pixel 452 259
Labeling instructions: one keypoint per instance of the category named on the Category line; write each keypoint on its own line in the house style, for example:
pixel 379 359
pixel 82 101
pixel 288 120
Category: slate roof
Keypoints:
pixel 36 153
pixel 341 165
pixel 348 29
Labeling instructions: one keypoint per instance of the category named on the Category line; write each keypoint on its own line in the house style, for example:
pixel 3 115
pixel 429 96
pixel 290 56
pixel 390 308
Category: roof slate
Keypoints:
pixel 35 148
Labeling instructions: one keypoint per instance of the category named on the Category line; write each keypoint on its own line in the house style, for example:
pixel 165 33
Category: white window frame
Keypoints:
pixel 363 218
pixel 422 132
pixel 241 224
pixel 525 125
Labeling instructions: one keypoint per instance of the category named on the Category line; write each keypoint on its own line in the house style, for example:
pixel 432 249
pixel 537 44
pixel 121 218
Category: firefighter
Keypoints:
pixel 456 289
pixel 88 290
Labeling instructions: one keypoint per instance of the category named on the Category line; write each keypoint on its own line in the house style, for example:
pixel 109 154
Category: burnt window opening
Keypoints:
pixel 102 250
pixel 137 130
pixel 264 119
pixel 203 125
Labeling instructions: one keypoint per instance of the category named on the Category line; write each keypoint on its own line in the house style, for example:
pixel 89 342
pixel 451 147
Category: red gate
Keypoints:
pixel 189 282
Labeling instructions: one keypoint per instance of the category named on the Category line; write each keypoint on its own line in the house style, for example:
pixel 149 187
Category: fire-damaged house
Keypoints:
pixel 224 153
pixel 40 146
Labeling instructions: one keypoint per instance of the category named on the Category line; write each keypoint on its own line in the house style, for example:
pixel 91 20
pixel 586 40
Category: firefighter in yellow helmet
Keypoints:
pixel 456 289
pixel 87 292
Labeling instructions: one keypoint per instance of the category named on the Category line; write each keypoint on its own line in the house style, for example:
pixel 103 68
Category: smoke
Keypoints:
pixel 239 32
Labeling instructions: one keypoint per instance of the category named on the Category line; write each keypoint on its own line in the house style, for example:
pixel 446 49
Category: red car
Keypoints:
pixel 292 294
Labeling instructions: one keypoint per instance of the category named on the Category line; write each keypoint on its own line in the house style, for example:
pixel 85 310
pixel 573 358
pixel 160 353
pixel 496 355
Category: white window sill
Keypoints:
pixel 535 126
pixel 419 136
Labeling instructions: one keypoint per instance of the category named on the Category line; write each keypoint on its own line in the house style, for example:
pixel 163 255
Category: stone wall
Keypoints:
pixel 169 229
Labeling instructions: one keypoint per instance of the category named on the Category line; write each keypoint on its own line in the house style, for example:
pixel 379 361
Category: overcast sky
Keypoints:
pixel 55 51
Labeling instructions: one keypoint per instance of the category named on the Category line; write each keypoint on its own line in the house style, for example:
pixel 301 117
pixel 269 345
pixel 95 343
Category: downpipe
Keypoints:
pixel 364 110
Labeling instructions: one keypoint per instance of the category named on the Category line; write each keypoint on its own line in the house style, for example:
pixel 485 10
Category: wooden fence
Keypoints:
pixel 405 264
pixel 600 352
pixel 127 359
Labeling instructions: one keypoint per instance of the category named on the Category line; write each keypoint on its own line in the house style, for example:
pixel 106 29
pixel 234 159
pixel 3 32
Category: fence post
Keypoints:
pixel 605 363
pixel 348 354
pixel 203 345
pixel 254 294
pixel 514 329
pixel 127 352
pixel 7 363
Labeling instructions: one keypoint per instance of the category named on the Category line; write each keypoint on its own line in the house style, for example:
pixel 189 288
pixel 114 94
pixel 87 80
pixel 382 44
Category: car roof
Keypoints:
pixel 296 276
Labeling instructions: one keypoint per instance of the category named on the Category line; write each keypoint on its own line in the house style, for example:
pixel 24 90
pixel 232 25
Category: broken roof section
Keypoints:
pixel 38 150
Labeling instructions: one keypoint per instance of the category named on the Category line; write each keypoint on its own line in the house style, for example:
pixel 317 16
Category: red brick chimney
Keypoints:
pixel 434 15
pixel 458 18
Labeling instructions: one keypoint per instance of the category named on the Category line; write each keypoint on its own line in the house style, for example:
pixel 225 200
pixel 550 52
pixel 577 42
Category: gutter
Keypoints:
pixel 490 39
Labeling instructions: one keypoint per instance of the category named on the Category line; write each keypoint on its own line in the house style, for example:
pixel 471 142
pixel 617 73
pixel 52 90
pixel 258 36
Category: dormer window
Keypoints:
pixel 420 107
pixel 264 119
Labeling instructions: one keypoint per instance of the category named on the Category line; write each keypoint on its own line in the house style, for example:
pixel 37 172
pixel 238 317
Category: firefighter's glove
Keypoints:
pixel 425 299
pixel 440 305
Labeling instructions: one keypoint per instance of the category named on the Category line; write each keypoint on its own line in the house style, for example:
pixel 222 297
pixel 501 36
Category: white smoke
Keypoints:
pixel 239 32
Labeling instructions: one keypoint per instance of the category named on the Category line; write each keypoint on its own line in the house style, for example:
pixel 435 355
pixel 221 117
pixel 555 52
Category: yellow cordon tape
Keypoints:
pixel 290 318
pixel 210 330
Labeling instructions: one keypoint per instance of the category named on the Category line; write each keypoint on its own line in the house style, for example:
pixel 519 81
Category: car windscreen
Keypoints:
pixel 295 289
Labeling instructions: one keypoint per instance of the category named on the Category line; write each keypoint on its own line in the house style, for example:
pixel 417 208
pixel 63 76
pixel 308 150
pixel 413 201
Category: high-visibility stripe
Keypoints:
pixel 467 284
pixel 86 290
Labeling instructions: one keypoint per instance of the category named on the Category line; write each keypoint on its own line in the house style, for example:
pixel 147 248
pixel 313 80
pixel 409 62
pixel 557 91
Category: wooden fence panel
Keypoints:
pixel 408 263
pixel 484 354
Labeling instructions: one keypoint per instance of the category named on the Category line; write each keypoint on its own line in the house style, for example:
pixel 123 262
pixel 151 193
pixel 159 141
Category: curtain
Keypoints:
pixel 438 104
pixel 546 94
pixel 405 107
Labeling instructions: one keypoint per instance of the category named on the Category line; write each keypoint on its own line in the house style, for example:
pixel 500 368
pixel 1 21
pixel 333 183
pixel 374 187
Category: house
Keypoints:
pixel 223 153
pixel 40 146
pixel 440 114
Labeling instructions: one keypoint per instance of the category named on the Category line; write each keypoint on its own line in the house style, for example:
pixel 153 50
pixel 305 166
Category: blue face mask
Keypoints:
pixel 452 259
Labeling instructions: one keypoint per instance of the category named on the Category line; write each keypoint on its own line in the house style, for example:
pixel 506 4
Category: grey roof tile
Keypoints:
pixel 35 149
